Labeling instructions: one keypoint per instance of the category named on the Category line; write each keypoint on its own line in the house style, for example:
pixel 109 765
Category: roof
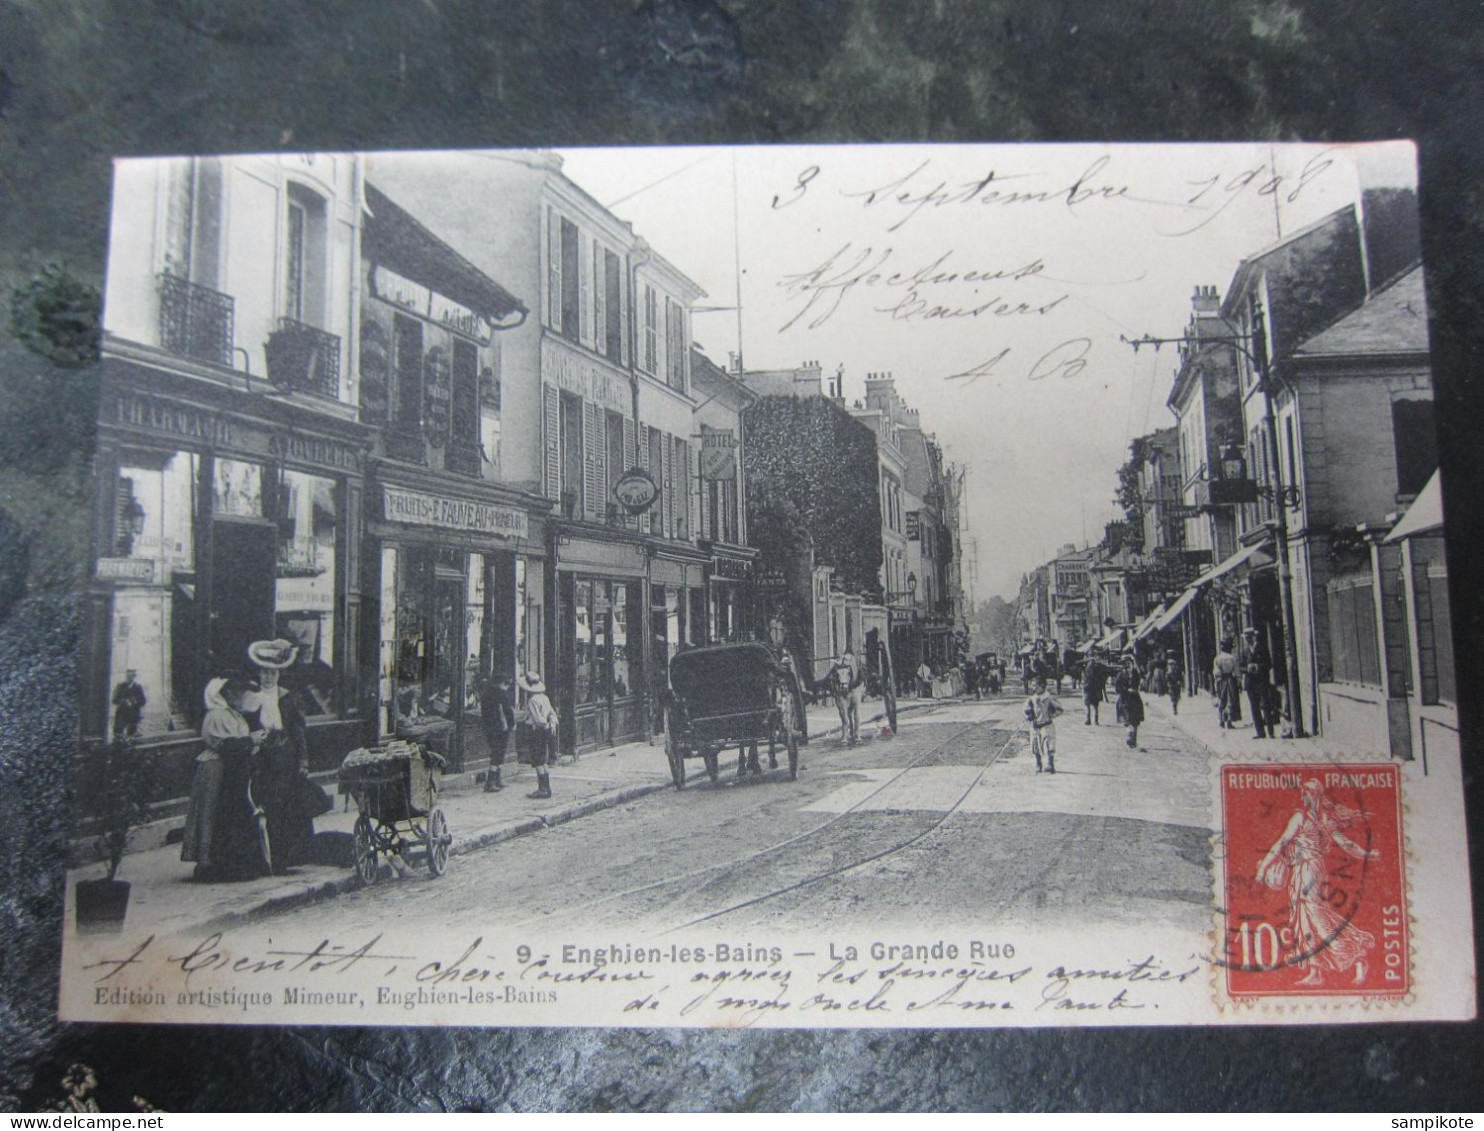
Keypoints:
pixel 397 240
pixel 1250 265
pixel 1392 321
pixel 1424 516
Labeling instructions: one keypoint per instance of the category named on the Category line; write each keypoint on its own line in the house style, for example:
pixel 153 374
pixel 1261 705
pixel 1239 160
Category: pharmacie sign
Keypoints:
pixel 420 508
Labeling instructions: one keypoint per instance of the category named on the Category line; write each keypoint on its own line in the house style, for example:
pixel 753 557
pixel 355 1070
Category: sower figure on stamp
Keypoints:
pixel 1324 936
pixel 544 718
pixel 1041 710
pixel 497 719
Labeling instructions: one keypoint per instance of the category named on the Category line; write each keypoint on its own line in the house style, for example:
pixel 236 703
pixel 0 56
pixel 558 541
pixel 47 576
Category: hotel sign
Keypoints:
pixel 420 508
pixel 718 454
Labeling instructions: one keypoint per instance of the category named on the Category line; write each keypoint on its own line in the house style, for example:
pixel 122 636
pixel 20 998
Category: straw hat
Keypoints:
pixel 531 684
pixel 274 654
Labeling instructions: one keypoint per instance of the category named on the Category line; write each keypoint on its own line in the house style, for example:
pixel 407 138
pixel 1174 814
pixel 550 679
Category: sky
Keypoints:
pixel 992 282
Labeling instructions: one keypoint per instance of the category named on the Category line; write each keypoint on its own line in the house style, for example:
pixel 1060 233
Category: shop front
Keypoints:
pixel 677 614
pixel 732 598
pixel 602 598
pixel 455 592
pixel 223 518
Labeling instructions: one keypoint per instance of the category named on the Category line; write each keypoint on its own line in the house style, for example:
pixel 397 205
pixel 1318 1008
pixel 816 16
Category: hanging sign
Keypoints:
pixel 635 490
pixel 718 460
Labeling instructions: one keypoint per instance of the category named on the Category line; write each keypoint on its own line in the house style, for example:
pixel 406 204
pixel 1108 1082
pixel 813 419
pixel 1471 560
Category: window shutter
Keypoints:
pixel 600 306
pixel 592 431
pixel 554 270
pixel 643 460
pixel 667 488
pixel 552 415
pixel 705 502
pixel 693 503
pixel 584 297
pixel 630 459
pixel 623 315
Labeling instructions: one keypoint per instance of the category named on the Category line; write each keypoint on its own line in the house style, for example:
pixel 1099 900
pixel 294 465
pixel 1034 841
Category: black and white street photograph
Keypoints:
pixel 877 585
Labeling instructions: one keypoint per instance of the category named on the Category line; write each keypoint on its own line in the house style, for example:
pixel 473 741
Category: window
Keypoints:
pixel 409 362
pixel 600 301
pixel 651 331
pixel 1416 444
pixel 572 454
pixel 614 431
pixel 571 283
pixel 1352 633
pixel 611 318
pixel 674 345
pixel 464 417
pixel 305 246
pixel 1440 626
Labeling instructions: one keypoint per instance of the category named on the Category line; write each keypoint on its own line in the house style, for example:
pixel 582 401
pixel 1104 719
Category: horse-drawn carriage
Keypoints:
pixel 729 694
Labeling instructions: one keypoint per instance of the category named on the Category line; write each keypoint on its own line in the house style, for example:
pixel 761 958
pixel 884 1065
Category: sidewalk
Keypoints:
pixel 164 897
pixel 1199 721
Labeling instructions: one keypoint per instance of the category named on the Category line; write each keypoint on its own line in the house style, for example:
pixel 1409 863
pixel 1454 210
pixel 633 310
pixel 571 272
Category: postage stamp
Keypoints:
pixel 1315 891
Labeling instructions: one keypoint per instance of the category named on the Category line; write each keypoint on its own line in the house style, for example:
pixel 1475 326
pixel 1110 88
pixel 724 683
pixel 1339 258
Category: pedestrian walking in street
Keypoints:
pixel 1174 680
pixel 1224 677
pixel 226 833
pixel 128 706
pixel 290 800
pixel 1131 705
pixel 1256 682
pixel 1040 711
pixel 497 720
pixel 1094 681
pixel 924 680
pixel 543 718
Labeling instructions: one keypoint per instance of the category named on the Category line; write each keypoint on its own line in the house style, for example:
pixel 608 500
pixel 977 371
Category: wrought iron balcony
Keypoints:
pixel 195 321
pixel 304 359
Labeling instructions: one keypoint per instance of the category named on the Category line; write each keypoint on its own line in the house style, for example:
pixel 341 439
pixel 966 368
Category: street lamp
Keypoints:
pixel 912 587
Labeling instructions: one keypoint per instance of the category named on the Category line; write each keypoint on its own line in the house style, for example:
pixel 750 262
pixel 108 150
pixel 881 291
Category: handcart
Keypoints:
pixel 395 787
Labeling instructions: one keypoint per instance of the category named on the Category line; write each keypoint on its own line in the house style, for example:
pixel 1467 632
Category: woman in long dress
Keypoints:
pixel 1324 937
pixel 225 835
pixel 290 800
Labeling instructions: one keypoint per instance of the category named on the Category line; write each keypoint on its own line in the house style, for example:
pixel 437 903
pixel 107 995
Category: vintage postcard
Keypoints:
pixel 800 586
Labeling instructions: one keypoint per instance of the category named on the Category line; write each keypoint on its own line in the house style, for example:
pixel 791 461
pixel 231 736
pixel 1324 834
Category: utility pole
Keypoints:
pixel 1254 347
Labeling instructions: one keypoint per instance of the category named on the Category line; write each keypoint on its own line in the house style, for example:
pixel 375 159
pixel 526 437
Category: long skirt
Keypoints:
pixel 225 833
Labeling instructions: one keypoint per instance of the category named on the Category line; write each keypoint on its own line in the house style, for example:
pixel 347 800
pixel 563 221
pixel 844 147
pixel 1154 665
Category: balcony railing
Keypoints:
pixel 304 359
pixel 195 321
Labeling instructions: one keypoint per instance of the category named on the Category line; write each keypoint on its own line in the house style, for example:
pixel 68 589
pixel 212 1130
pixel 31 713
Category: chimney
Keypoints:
pixel 1205 300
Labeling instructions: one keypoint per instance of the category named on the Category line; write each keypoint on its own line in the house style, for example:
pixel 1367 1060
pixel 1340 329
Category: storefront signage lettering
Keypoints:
pixel 718 454
pixel 732 569
pixel 635 490
pixel 573 373
pixel 772 581
pixel 427 303
pixel 135 411
pixel 422 509
pixel 912 525
pixel 141 571
pixel 312 449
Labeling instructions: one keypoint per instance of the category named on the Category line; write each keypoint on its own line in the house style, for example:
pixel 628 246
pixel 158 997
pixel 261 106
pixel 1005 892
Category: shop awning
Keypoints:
pixel 1424 516
pixel 1149 623
pixel 1178 606
pixel 394 238
pixel 1252 557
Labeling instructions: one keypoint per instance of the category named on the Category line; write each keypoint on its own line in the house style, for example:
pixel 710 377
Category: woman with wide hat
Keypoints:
pixel 289 799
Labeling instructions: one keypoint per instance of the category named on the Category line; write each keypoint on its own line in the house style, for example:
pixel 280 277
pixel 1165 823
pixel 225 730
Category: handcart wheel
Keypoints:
pixel 713 764
pixel 438 840
pixel 368 868
pixel 673 752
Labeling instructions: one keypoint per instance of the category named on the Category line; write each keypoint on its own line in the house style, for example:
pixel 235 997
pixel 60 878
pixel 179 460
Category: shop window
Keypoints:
pixel 153 629
pixel 237 489
pixel 528 587
pixel 305 587
pixel 474 620
pixel 624 665
pixel 590 643
pixel 1352 632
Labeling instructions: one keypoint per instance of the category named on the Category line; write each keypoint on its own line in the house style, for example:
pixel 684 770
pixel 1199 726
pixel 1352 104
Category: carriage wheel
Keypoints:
pixel 673 752
pixel 437 842
pixel 368 867
pixel 713 764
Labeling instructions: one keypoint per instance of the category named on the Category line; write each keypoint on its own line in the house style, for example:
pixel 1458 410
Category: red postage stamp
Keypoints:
pixel 1315 891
